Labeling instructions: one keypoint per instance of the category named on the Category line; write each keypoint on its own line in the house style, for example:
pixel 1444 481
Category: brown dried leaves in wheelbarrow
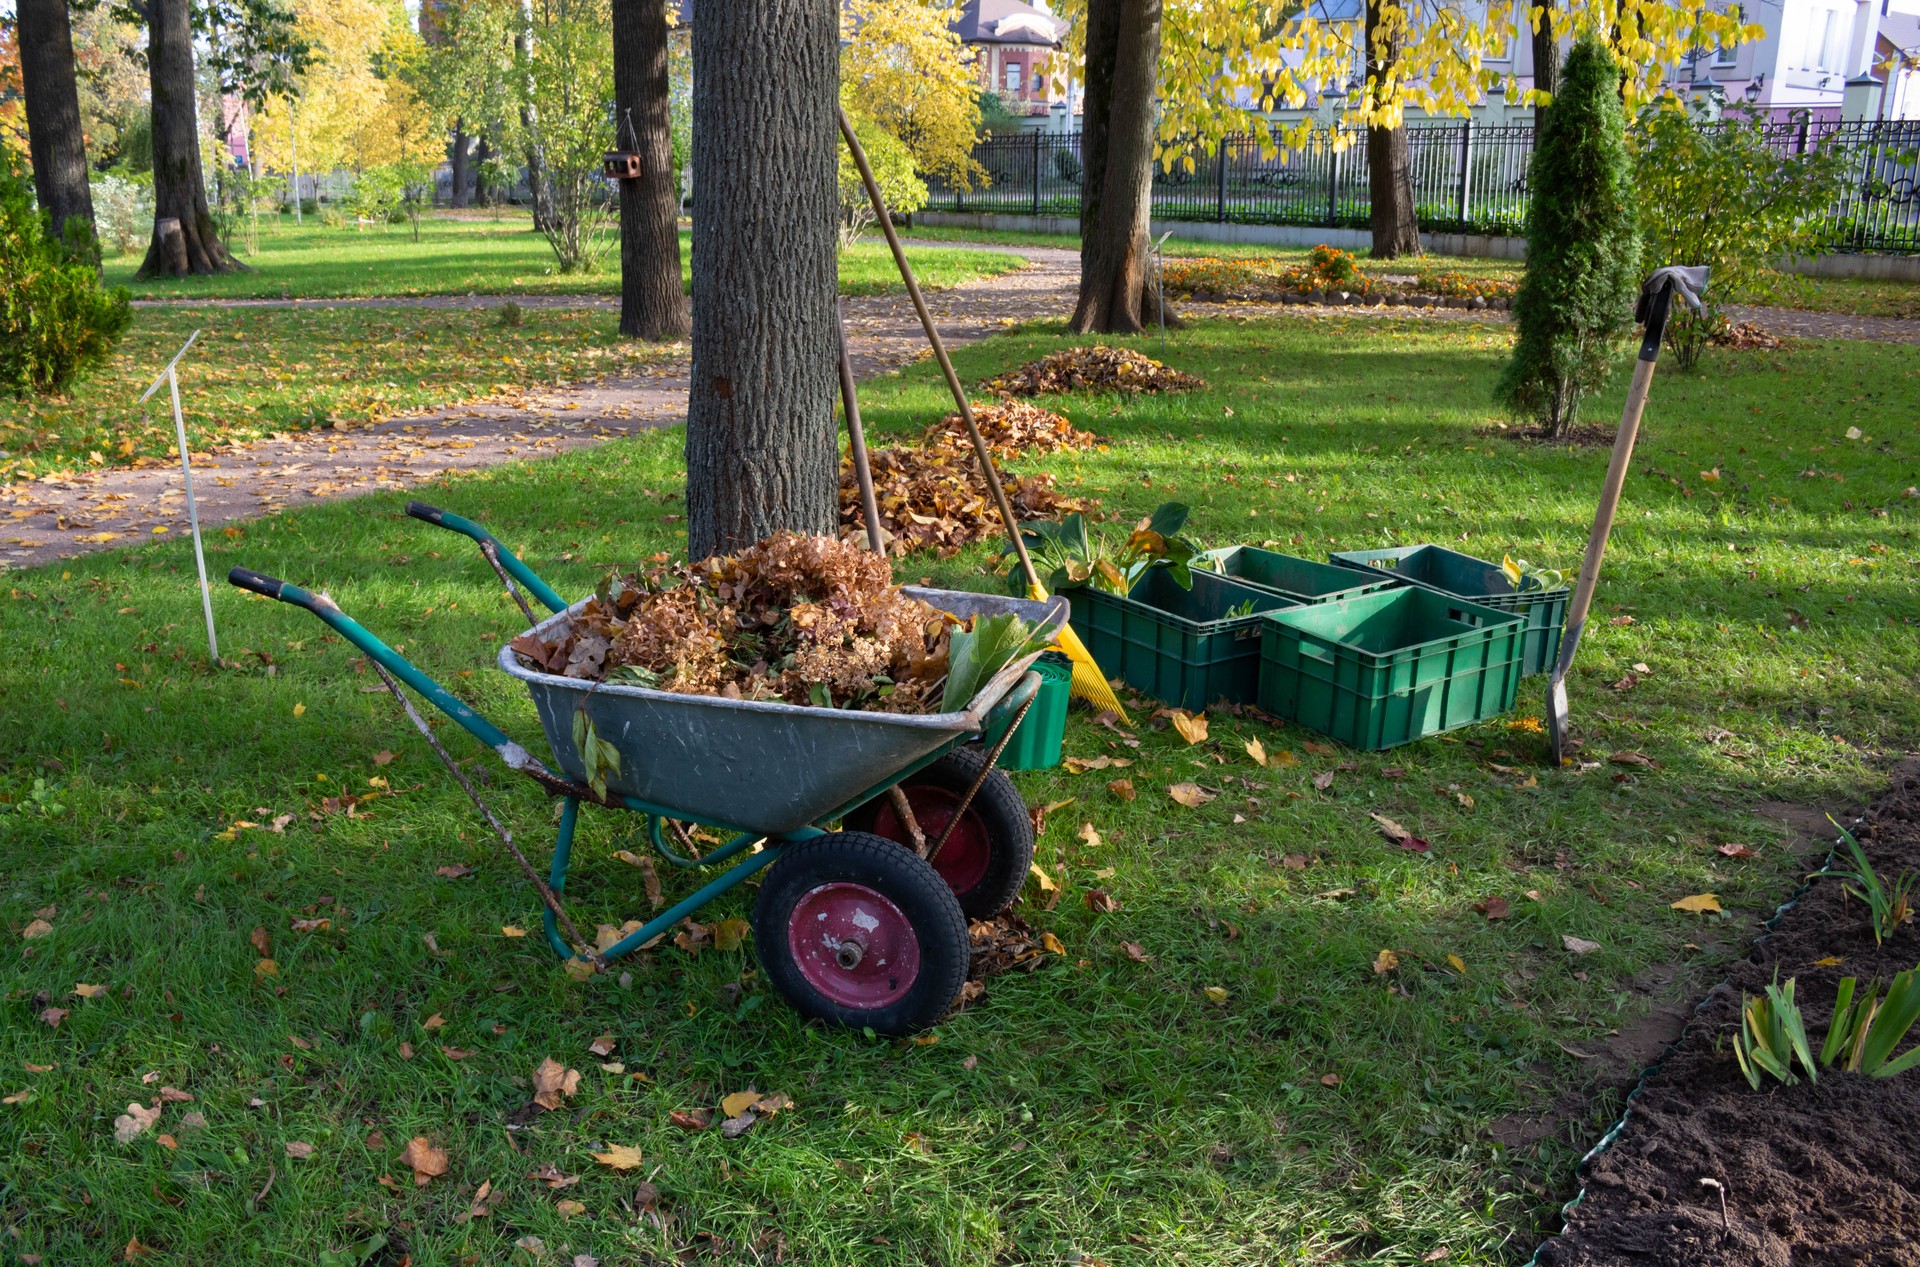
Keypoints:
pixel 1011 428
pixel 806 620
pixel 934 499
pixel 1097 368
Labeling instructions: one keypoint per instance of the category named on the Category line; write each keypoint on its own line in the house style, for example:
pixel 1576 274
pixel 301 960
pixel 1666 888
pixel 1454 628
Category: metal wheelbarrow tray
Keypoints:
pixel 857 928
pixel 762 766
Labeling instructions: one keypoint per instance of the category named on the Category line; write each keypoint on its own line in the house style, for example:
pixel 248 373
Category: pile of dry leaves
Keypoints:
pixel 807 620
pixel 1744 336
pixel 1011 428
pixel 1098 368
pixel 934 498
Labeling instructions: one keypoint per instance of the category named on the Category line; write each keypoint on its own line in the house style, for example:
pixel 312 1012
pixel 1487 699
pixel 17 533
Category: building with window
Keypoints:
pixel 1014 45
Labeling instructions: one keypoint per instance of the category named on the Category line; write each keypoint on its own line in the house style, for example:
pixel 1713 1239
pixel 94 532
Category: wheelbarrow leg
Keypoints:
pixel 557 873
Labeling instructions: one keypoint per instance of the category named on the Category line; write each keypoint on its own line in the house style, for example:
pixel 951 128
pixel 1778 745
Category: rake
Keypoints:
pixel 1089 683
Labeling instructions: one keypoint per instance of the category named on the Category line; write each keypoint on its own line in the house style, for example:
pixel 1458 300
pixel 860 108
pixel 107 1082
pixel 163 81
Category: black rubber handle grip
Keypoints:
pixel 432 514
pixel 259 583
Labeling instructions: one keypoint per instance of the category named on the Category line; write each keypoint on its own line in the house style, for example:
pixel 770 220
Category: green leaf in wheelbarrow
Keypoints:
pixel 975 656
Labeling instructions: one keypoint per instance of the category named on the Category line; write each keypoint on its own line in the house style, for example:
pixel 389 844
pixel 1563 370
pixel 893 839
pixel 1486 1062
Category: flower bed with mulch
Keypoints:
pixel 1330 277
pixel 1814 1173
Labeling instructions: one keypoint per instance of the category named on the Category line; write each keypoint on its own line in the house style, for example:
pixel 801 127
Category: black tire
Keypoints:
pixel 986 870
pixel 859 886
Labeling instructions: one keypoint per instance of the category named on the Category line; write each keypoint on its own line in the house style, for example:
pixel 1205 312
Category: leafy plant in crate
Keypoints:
pixel 1866 1032
pixel 1889 907
pixel 1068 556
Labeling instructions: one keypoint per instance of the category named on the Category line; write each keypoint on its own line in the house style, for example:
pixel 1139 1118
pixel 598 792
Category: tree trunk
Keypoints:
pixel 54 138
pixel 537 191
pixel 482 152
pixel 458 194
pixel 762 452
pixel 1396 229
pixel 1123 57
pixel 653 304
pixel 179 190
pixel 1546 59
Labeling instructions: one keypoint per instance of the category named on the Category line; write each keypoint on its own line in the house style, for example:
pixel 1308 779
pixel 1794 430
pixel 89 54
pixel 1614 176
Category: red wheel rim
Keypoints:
pixel 853 945
pixel 962 861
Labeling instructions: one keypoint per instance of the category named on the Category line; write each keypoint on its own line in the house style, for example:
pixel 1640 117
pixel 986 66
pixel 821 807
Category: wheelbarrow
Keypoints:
pixel 865 926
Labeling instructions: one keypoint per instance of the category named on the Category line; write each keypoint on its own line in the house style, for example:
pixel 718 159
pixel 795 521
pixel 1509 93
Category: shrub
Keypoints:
pixel 56 321
pixel 892 164
pixel 1583 255
pixel 122 213
pixel 1725 196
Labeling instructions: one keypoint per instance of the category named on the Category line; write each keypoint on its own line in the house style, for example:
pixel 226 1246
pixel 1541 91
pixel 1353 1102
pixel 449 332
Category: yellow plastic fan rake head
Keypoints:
pixel 1089 683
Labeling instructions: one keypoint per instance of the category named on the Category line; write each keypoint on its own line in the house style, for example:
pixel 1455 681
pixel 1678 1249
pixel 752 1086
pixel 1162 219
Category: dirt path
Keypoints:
pixel 117 506
pixel 107 509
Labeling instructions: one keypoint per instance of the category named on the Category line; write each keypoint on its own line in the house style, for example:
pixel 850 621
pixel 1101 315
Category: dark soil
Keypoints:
pixel 1814 1174
pixel 1585 435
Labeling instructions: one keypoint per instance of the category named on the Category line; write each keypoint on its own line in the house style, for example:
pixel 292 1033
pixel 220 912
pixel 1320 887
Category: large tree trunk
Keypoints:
pixel 189 243
pixel 652 303
pixel 1396 229
pixel 54 137
pixel 1123 57
pixel 1546 58
pixel 762 453
pixel 458 193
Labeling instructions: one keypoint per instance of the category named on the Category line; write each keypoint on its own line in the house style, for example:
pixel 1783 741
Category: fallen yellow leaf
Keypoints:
pixel 1258 751
pixel 1088 834
pixel 1829 961
pixel 619 1157
pixel 739 1102
pixel 1217 993
pixel 1699 904
pixel 298 709
pixel 1046 882
pixel 1191 795
pixel 1051 944
pixel 1385 961
pixel 508 930
pixel 1192 729
pixel 1458 964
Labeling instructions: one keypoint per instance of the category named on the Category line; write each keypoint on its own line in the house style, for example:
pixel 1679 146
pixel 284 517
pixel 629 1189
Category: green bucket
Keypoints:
pixel 1036 745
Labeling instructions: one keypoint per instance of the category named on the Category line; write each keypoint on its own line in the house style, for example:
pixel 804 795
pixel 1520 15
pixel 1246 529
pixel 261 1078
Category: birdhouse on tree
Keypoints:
pixel 620 165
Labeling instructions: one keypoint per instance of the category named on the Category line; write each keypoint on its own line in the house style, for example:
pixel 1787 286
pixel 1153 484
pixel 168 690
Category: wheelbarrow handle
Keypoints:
pixel 387 658
pixel 508 559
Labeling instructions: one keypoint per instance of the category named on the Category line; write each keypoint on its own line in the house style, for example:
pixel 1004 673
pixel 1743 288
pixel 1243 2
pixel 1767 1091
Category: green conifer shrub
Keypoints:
pixel 1583 247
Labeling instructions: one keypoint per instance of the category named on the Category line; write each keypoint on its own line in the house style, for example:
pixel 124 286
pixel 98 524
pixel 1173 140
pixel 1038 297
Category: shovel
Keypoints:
pixel 1656 300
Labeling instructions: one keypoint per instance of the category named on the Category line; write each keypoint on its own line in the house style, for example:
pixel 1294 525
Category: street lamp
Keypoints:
pixel 1860 99
pixel 1754 87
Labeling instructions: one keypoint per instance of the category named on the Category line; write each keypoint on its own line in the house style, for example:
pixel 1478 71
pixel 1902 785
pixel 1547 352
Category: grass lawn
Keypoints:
pixel 1853 296
pixel 256 371
pixel 1099 1109
pixel 468 255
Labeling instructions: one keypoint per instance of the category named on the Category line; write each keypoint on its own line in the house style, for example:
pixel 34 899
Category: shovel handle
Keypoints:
pixel 1582 601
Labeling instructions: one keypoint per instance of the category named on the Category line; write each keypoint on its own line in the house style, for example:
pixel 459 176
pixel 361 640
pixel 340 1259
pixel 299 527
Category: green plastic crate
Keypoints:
pixel 1302 580
pixel 1386 669
pixel 1178 645
pixel 1036 745
pixel 1449 572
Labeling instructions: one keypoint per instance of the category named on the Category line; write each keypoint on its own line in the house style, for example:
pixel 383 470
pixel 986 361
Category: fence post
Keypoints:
pixel 1333 178
pixel 1466 169
pixel 1036 174
pixel 1220 199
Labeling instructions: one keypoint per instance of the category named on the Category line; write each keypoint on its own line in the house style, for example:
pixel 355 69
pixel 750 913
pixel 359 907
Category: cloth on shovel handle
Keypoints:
pixel 1089 683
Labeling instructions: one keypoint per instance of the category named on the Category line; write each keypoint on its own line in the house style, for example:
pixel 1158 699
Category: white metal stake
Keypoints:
pixel 186 473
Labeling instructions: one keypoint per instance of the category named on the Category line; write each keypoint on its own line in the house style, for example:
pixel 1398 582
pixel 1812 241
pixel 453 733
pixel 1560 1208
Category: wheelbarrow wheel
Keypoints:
pixel 986 859
pixel 851 928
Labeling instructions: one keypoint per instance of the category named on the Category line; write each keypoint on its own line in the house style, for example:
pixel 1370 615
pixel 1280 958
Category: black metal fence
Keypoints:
pixel 1467 178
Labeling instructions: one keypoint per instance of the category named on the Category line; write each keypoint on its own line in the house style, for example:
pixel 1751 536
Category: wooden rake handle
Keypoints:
pixel 939 348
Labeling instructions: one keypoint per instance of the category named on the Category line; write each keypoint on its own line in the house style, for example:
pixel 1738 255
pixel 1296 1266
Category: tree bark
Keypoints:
pixel 179 189
pixel 1123 55
pixel 653 305
pixel 482 151
pixel 54 137
pixel 1396 229
pixel 458 194
pixel 762 453
pixel 1546 59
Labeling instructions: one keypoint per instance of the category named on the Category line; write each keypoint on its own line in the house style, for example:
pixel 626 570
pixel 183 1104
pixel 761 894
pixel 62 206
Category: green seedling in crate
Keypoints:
pixel 1772 1033
pixel 1889 907
pixel 1866 1032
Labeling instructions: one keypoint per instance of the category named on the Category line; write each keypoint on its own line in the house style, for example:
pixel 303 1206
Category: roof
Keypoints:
pixel 1006 22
